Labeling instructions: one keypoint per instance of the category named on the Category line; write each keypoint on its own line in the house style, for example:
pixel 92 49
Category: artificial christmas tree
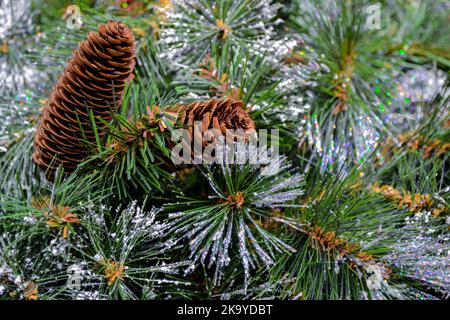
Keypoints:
pixel 350 200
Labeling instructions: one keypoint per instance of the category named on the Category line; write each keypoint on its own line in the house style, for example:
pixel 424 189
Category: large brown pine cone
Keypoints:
pixel 93 79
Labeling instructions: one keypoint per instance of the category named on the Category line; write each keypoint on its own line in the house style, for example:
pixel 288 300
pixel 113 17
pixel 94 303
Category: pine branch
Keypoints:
pixel 230 216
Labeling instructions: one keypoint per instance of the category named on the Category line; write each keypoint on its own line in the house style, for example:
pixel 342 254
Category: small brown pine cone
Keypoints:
pixel 223 114
pixel 220 114
pixel 93 79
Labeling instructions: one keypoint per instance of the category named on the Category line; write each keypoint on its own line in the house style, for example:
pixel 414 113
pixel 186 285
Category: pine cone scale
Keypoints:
pixel 53 148
pixel 87 50
pixel 69 133
pixel 92 63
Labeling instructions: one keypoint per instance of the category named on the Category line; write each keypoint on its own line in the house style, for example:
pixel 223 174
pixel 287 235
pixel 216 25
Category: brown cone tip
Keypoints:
pixel 94 79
